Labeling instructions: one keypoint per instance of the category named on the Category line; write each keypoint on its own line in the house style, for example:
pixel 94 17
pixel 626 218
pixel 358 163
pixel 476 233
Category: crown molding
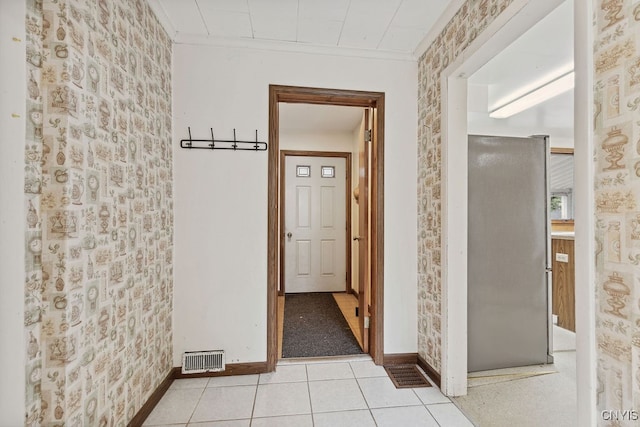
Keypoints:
pixel 277 45
pixel 296 47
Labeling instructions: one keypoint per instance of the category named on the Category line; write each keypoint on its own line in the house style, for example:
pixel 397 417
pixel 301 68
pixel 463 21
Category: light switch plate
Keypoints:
pixel 562 257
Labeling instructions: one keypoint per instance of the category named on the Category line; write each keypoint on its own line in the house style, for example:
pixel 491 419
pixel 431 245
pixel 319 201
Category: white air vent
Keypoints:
pixel 194 362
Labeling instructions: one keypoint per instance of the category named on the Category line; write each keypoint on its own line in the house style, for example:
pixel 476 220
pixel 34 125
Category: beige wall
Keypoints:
pixel 472 18
pixel 617 193
pixel 98 210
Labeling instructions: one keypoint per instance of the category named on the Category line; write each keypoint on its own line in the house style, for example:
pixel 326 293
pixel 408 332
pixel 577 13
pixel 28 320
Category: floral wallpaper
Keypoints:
pixel 99 210
pixel 617 192
pixel 472 18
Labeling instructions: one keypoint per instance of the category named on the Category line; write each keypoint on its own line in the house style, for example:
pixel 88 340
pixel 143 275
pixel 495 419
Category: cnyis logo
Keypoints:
pixel 620 415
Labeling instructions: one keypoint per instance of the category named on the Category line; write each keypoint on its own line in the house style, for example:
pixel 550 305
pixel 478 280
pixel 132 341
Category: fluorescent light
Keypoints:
pixel 545 92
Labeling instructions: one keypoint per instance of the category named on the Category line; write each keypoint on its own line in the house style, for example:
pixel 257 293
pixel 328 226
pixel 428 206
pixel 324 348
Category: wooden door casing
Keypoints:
pixel 324 96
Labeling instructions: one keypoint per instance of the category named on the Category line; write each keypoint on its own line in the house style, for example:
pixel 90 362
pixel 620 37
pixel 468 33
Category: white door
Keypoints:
pixel 315 224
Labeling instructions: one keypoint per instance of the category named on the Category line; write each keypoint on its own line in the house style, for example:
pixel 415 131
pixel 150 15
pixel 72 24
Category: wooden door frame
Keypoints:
pixel 349 98
pixel 300 153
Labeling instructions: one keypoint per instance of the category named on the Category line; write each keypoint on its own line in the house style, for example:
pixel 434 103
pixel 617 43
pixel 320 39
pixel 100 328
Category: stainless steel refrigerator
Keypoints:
pixel 509 316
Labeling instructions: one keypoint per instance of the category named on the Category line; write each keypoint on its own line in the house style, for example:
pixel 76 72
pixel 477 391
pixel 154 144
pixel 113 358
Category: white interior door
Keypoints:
pixel 315 224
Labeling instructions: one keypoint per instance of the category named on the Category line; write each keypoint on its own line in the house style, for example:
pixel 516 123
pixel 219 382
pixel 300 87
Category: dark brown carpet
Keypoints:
pixel 314 326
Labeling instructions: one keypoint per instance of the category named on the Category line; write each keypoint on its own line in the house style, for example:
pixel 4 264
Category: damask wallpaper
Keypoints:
pixel 99 210
pixel 472 18
pixel 617 195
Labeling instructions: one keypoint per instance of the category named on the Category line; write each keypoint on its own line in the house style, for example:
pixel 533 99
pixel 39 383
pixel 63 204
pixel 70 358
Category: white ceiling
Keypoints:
pixel 545 51
pixel 387 26
pixel 378 28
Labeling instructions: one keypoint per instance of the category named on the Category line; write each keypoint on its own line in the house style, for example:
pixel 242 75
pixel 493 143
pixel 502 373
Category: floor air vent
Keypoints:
pixel 406 376
pixel 194 362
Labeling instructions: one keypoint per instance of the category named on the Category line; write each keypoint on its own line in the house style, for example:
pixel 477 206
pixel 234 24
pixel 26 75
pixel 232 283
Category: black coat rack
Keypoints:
pixel 224 144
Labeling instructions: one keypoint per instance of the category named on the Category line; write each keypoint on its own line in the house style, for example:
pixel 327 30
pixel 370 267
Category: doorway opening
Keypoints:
pixel 316 308
pixel 304 95
pixel 454 85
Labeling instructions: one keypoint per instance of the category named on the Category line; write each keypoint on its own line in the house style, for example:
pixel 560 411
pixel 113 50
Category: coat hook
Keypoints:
pixel 224 144
pixel 190 143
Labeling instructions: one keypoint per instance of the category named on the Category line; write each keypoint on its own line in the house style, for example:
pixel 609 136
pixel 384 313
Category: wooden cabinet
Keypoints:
pixel 563 284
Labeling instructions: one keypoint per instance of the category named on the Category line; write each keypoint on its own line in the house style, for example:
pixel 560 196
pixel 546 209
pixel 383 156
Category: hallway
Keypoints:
pixel 347 304
pixel 130 239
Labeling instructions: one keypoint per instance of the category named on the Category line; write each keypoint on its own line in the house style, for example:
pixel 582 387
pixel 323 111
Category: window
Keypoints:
pixel 303 171
pixel 561 184
pixel 328 172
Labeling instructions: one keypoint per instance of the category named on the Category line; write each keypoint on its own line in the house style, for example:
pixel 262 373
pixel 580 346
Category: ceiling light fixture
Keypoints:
pixel 537 96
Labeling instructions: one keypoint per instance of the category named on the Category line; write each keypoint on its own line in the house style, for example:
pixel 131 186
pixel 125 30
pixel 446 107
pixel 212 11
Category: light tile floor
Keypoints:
pixel 347 392
pixel 531 396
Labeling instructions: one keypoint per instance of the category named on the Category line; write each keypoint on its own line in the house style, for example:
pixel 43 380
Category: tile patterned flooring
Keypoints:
pixel 316 393
pixel 352 391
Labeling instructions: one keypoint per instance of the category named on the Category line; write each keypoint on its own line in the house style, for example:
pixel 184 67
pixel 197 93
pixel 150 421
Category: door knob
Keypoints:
pixel 289 235
pixel 358 238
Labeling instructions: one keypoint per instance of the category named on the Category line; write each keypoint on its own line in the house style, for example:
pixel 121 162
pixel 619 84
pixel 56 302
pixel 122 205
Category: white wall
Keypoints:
pixel 221 197
pixel 12 228
pixel 315 141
